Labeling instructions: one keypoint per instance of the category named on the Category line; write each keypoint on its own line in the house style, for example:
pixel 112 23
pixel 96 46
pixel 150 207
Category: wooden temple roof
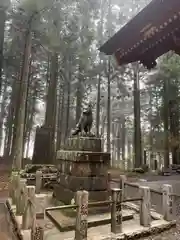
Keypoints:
pixel 150 34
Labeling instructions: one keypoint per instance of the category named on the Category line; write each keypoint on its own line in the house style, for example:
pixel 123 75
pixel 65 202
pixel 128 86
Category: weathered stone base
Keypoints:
pixel 83 156
pixel 66 195
pixel 85 169
pixel 83 144
pixel 82 166
pixel 80 183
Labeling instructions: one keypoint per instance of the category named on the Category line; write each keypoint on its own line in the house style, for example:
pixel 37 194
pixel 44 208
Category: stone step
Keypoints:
pixel 64 223
pixel 131 230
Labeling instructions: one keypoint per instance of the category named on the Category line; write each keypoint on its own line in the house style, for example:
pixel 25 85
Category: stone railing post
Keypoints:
pixel 145 207
pixel 37 234
pixel 167 202
pixel 29 215
pixel 82 215
pixel 11 192
pixel 38 181
pixel 20 197
pixel 14 184
pixel 78 197
pixel 123 179
pixel 109 183
pixel 116 211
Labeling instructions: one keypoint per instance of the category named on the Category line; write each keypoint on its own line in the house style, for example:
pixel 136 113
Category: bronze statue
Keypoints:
pixel 85 122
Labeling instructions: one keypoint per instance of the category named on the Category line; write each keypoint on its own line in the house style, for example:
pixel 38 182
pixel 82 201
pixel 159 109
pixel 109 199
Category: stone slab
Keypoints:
pixel 42 201
pixel 83 156
pixel 42 153
pixel 83 144
pixel 132 206
pixel 131 230
pixel 66 195
pixel 83 168
pixel 64 223
pixel 26 234
pixel 83 183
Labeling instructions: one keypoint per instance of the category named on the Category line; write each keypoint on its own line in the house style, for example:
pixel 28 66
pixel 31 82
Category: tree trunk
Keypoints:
pixel 166 124
pixel 123 142
pixel 151 133
pixel 52 95
pixel 109 26
pixel 129 157
pixel 174 122
pixel 28 144
pixel 15 106
pixel 98 106
pixel 29 123
pixel 3 111
pixel 109 109
pixel 18 153
pixel 50 118
pixel 113 155
pixel 79 96
pixel 68 106
pixel 2 29
pixel 137 120
pixel 27 110
pixel 60 115
pixel 11 111
pixel 48 74
pixel 174 128
pixel 102 130
pixel 118 141
pixel 100 32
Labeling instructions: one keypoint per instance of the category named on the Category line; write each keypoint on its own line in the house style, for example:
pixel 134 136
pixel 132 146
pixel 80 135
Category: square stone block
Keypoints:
pixel 83 168
pixel 83 144
pixel 66 195
pixel 83 183
pixel 81 156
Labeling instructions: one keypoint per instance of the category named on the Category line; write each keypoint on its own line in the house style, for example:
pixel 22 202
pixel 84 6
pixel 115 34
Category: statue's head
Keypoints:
pixel 90 104
pixel 88 108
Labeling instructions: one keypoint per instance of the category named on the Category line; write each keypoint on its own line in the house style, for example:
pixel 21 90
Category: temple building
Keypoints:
pixel 150 34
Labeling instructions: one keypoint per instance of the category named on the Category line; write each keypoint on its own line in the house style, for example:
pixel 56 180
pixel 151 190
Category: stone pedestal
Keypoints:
pixel 43 146
pixel 82 166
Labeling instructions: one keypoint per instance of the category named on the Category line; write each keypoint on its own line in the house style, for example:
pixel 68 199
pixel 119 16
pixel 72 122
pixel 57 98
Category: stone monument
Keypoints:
pixel 82 166
pixel 43 146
